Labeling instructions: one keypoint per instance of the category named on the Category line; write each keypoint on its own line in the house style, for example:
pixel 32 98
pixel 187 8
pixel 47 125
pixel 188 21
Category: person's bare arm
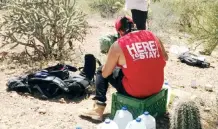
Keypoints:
pixel 163 49
pixel 112 60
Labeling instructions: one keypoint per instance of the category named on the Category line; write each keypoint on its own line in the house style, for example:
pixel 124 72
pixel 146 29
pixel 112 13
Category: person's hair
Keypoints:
pixel 126 25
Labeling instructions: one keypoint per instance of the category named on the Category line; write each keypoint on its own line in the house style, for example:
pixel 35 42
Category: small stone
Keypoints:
pixel 62 100
pixel 31 97
pixel 209 88
pixel 42 111
pixel 207 109
pixel 26 94
pixel 194 87
pixel 182 86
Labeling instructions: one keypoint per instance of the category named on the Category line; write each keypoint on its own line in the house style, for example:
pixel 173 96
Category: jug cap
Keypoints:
pixel 107 121
pixel 138 119
pixel 146 113
pixel 166 83
pixel 124 108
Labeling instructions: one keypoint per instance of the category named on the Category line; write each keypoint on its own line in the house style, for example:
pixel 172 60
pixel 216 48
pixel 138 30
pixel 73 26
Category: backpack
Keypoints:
pixel 47 82
pixel 55 80
pixel 193 60
pixel 60 70
pixel 106 42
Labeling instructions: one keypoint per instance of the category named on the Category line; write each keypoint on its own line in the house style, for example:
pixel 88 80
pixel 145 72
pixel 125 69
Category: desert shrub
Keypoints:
pixel 46 28
pixel 107 8
pixel 2 3
pixel 200 18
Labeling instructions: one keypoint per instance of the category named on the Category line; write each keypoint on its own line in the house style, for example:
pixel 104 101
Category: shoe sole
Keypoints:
pixel 92 118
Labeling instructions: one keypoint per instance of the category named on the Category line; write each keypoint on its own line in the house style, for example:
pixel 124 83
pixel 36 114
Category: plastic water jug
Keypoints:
pixel 122 117
pixel 149 120
pixel 166 85
pixel 78 127
pixel 108 124
pixel 136 124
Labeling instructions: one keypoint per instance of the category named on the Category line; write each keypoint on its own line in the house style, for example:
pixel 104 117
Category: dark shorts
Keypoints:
pixel 139 18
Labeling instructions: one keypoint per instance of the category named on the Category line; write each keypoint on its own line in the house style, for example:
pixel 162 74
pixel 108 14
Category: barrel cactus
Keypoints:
pixel 186 115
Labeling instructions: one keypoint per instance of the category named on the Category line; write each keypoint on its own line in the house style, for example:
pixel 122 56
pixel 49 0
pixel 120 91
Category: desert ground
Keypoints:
pixel 26 112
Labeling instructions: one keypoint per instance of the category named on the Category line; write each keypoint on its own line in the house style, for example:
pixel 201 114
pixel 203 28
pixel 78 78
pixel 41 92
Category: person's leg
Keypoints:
pixel 115 79
pixel 139 18
pixel 101 84
pixel 101 89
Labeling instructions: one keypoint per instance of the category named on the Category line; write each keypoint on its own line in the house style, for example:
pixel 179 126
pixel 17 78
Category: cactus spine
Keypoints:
pixel 186 115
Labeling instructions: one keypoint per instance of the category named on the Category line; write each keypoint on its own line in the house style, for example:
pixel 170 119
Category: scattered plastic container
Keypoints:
pixel 149 120
pixel 108 124
pixel 122 117
pixel 136 124
pixel 78 127
pixel 178 49
pixel 166 85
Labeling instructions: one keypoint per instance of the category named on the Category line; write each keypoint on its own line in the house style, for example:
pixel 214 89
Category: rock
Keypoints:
pixel 31 97
pixel 207 109
pixel 209 88
pixel 62 100
pixel 182 86
pixel 42 111
pixel 194 86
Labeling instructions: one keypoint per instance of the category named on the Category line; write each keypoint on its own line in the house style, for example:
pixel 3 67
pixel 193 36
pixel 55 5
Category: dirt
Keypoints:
pixel 26 112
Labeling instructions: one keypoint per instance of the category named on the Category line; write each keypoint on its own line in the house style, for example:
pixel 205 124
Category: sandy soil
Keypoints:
pixel 25 112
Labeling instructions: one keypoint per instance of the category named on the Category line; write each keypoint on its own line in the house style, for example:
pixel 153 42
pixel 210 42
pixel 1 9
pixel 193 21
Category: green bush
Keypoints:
pixel 200 18
pixel 107 8
pixel 45 27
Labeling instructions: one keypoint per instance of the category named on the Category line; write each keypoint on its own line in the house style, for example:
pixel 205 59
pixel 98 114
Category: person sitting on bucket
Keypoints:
pixel 134 66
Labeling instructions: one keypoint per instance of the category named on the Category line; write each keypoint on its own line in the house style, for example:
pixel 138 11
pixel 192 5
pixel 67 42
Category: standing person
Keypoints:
pixel 134 66
pixel 139 10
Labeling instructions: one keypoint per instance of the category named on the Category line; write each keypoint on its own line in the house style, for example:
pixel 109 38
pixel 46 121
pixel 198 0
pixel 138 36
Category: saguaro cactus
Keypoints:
pixel 186 115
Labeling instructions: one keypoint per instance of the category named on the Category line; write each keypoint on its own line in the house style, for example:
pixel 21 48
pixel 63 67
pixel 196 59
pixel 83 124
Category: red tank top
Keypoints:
pixel 144 72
